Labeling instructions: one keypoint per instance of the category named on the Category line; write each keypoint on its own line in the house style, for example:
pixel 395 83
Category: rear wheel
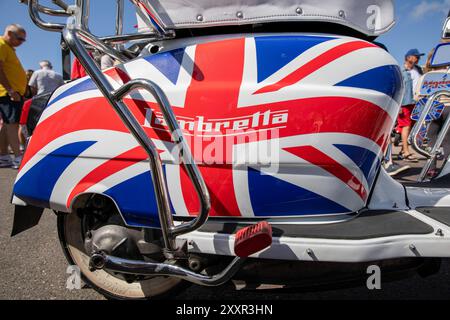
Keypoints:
pixel 72 230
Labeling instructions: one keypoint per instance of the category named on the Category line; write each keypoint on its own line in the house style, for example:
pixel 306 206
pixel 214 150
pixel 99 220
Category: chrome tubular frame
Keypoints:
pixel 61 4
pixel 388 154
pixel 80 20
pixel 119 17
pixel 34 8
pixel 75 45
pixel 65 12
pixel 124 38
pixel 75 33
pixel 119 21
pixel 185 153
pixel 442 134
pixel 89 39
pixel 115 264
pixel 115 97
pixel 82 14
pixel 446 31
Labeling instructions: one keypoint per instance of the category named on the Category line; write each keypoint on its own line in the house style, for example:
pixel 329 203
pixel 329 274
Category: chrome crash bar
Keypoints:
pixel 184 151
pixel 434 152
pixel 114 97
pixel 77 36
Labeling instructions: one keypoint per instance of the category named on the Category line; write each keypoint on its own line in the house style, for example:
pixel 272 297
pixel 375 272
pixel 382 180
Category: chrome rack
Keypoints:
pixel 75 33
pixel 80 12
pixel 65 12
pixel 434 152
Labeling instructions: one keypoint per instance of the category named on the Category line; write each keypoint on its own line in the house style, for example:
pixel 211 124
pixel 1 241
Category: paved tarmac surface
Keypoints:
pixel 32 266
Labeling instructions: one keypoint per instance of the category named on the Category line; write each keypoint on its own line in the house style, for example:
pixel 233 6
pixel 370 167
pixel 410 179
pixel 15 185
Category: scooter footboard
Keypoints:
pixel 373 235
pixel 435 193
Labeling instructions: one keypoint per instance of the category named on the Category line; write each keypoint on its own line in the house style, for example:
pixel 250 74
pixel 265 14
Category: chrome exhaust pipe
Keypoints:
pixel 100 261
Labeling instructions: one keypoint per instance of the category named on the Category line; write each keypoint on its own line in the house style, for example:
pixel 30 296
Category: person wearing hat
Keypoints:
pixel 411 75
pixel 45 80
pixel 416 72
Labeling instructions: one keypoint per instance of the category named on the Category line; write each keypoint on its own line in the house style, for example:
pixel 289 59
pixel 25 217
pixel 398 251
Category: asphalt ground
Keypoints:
pixel 32 266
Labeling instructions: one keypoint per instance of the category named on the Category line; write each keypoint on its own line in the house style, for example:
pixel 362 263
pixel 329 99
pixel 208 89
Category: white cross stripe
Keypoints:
pixel 251 64
pixel 176 93
pixel 299 172
pixel 120 176
pixel 110 144
pixel 319 181
pixel 361 60
pixel 73 98
pixel 241 187
pixel 64 88
pixel 321 82
pixel 174 187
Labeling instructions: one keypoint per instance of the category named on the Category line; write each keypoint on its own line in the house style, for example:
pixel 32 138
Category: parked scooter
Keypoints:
pixel 243 143
pixel 429 135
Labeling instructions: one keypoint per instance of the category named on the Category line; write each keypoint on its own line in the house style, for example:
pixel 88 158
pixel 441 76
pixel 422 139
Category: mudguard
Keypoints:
pixel 25 217
pixel 282 125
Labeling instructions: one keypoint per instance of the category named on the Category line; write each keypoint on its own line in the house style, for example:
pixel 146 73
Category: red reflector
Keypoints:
pixel 252 239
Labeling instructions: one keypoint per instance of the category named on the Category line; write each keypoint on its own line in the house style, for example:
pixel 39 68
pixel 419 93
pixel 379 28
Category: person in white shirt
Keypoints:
pixel 45 80
pixel 416 72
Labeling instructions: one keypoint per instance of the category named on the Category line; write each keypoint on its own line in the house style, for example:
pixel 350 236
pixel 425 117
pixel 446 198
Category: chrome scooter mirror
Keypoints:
pixel 446 29
pixel 441 56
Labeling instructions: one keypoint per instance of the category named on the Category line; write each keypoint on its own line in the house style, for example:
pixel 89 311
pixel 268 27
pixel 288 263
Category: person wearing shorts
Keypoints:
pixel 404 122
pixel 404 118
pixel 13 84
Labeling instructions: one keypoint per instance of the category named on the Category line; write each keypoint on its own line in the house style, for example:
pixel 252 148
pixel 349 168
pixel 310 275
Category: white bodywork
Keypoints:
pixel 435 244
pixel 387 194
pixel 371 17
pixel 427 197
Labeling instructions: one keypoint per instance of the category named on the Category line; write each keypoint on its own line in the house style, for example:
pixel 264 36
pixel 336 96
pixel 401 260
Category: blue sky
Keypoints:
pixel 419 24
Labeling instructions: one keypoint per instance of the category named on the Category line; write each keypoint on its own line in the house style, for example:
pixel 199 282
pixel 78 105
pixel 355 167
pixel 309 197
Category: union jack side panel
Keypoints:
pixel 281 126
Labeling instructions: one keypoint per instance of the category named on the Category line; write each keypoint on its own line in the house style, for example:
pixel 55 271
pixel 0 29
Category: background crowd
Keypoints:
pixel 413 76
pixel 17 86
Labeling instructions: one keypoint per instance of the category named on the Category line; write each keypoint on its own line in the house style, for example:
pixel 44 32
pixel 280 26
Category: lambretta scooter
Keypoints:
pixel 430 110
pixel 240 142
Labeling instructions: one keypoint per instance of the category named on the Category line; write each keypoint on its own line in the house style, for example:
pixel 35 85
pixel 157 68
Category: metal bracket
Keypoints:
pixel 179 254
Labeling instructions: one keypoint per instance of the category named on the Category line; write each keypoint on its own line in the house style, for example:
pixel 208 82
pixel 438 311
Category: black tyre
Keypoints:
pixel 112 287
